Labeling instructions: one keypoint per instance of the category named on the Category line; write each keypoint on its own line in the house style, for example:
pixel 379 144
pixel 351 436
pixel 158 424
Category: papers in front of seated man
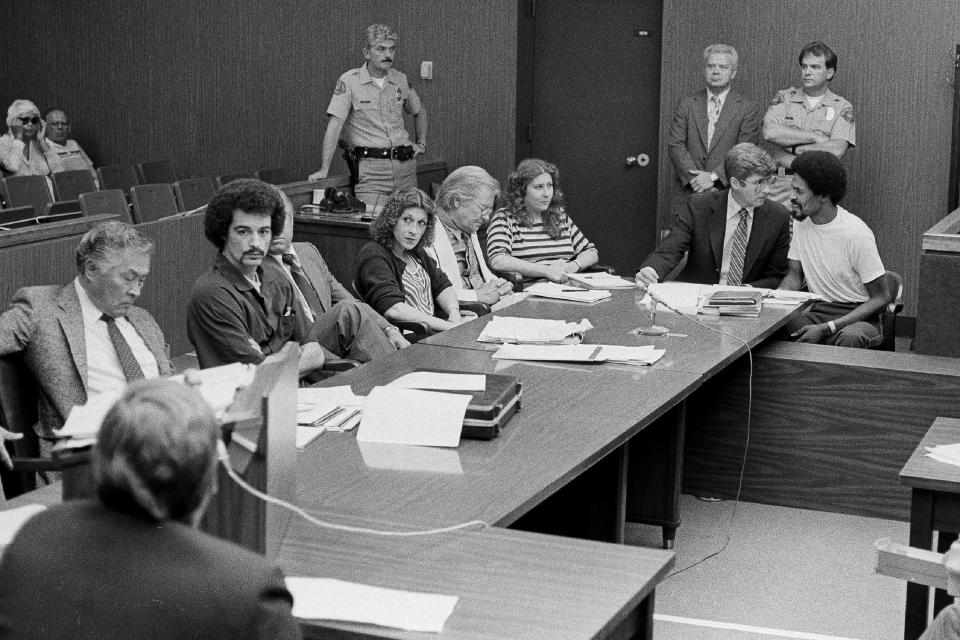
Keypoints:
pixel 413 416
pixel 330 599
pixel 788 297
pixel 12 519
pixel 326 409
pixel 533 331
pixel 600 280
pixel 566 292
pixel 219 385
pixel 947 453
pixel 437 381
pixel 645 355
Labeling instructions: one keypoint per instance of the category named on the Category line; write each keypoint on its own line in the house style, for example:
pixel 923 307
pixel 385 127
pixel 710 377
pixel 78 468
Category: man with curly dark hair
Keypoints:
pixel 240 312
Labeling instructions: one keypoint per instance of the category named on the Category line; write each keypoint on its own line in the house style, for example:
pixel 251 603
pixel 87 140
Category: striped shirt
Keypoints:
pixel 506 235
pixel 416 287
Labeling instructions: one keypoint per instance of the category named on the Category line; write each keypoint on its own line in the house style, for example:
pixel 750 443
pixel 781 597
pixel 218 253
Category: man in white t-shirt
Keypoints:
pixel 836 253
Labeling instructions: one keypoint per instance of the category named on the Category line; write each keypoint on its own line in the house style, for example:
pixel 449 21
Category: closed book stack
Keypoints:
pixel 734 302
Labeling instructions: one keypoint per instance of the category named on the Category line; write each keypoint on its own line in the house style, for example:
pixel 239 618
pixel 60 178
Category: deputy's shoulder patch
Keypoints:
pixel 777 99
pixel 847 114
pixel 340 88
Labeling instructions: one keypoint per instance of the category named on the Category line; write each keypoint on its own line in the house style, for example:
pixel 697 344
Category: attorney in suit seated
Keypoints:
pixel 731 237
pixel 532 234
pixel 464 203
pixel 706 125
pixel 395 274
pixel 132 563
pixel 342 324
pixel 87 337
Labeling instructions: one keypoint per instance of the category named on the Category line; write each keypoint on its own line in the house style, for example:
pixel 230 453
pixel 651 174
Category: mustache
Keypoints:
pixel 253 252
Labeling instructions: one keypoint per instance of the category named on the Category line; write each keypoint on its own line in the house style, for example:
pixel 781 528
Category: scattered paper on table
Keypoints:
pixel 331 599
pixel 566 292
pixel 682 295
pixel 402 457
pixel 787 297
pixel 314 403
pixel 12 519
pixel 413 416
pixel 84 420
pixel 946 453
pixel 533 330
pixel 441 381
pixel 219 385
pixel 600 280
pixel 642 355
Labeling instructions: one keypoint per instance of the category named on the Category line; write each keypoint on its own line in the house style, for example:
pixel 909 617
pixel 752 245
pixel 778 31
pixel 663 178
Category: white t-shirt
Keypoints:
pixel 837 257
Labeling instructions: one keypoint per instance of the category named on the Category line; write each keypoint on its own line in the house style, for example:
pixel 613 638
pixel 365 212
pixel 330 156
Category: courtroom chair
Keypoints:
pixel 888 317
pixel 152 202
pixel 230 177
pixel 110 201
pixel 192 193
pixel 117 176
pixel 19 191
pixel 16 216
pixel 155 172
pixel 273 176
pixel 18 413
pixel 68 185
pixel 63 209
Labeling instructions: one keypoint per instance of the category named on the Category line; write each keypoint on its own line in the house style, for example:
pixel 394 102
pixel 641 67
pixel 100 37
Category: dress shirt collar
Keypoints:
pixel 91 313
pixel 733 207
pixel 237 279
pixel 722 96
pixel 364 75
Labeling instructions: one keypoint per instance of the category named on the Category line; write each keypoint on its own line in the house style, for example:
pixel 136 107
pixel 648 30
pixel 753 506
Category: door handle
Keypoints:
pixel 639 160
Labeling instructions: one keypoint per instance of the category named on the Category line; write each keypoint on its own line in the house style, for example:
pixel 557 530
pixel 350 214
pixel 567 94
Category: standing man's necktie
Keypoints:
pixel 713 114
pixel 303 283
pixel 128 362
pixel 738 250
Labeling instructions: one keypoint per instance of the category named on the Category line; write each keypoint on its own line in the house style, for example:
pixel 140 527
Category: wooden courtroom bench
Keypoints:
pixel 830 430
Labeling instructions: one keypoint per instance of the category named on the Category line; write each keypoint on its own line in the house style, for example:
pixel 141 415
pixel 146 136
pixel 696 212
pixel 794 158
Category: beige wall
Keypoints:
pixel 895 66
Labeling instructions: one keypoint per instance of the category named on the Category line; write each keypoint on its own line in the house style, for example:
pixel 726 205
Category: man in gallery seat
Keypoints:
pixel 730 237
pixel 87 337
pixel 340 323
pixel 836 254
pixel 131 563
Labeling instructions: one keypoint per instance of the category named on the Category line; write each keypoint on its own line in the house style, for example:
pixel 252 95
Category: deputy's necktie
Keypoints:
pixel 128 362
pixel 738 249
pixel 713 114
pixel 303 283
pixel 476 280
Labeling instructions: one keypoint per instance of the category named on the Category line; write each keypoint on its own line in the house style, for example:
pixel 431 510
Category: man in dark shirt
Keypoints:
pixel 240 312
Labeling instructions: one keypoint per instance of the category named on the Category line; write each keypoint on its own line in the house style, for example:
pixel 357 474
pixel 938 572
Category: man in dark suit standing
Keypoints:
pixel 731 237
pixel 132 564
pixel 705 126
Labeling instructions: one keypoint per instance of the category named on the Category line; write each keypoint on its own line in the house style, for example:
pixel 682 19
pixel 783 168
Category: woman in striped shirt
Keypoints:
pixel 532 234
pixel 394 274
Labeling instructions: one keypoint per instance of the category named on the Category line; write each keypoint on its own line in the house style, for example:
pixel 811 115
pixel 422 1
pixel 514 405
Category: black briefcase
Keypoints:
pixel 491 409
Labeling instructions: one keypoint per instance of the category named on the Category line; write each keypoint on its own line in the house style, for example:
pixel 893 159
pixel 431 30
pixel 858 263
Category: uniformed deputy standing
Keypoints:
pixel 368 105
pixel 807 118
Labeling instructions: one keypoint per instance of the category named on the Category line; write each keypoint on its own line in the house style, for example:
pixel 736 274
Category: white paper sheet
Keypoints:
pixel 218 385
pixel 84 420
pixel 641 355
pixel 567 292
pixel 682 295
pixel 600 280
pixel 441 381
pixel 314 403
pixel 412 416
pixel 644 355
pixel 401 457
pixel 946 453
pixel 12 519
pixel 330 599
pixel 533 330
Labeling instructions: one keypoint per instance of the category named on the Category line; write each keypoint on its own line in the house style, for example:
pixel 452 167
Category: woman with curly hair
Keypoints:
pixel 394 274
pixel 533 234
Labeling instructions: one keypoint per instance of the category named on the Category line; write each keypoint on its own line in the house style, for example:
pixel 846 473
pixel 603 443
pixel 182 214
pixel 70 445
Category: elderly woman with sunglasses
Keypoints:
pixel 23 150
pixel 395 275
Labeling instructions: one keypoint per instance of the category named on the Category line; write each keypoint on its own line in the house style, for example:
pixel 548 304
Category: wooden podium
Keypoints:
pixel 260 429
pixel 938 296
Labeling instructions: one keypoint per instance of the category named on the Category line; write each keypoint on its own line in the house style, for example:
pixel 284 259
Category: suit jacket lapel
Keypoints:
pixel 71 322
pixel 700 116
pixel 717 224
pixel 316 280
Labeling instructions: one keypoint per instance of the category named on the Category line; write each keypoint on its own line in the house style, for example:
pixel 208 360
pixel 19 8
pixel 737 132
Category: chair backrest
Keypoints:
pixel 117 176
pixel 62 207
pixel 156 171
pixel 273 176
pixel 18 404
pixel 193 192
pixel 230 177
pixel 888 317
pixel 152 202
pixel 111 201
pixel 19 191
pixel 68 185
pixel 16 214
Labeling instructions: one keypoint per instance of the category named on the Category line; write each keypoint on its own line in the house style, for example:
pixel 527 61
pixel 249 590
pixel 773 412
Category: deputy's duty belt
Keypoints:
pixel 400 153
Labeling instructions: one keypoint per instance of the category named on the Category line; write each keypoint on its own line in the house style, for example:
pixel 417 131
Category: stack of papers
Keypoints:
pixel 566 292
pixel 947 453
pixel 533 331
pixel 600 280
pixel 645 355
pixel 438 381
pixel 411 416
pixel 329 409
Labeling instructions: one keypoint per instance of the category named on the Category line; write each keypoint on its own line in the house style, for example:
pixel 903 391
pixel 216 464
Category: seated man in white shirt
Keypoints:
pixel 70 156
pixel 464 203
pixel 87 337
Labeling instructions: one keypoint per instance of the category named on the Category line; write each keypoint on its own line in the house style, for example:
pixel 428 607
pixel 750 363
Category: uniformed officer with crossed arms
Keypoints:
pixel 808 118
pixel 367 108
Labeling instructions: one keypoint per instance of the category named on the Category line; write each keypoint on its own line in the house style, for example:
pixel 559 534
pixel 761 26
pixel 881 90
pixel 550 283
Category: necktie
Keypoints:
pixel 303 283
pixel 476 280
pixel 128 362
pixel 713 114
pixel 738 249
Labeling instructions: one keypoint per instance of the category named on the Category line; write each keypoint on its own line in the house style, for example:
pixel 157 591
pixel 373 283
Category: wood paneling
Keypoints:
pixel 221 86
pixel 895 66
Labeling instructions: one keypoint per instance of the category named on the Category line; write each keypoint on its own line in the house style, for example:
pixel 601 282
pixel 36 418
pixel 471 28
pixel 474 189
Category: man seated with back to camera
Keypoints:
pixel 239 311
pixel 132 563
pixel 836 254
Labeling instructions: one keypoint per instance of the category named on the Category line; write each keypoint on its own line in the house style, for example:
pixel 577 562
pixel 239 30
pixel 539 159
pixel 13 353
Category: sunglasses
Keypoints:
pixel 28 120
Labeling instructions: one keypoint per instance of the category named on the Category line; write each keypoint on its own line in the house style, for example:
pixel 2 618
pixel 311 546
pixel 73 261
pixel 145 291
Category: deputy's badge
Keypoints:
pixel 777 99
pixel 847 114
pixel 399 95
pixel 831 113
pixel 341 88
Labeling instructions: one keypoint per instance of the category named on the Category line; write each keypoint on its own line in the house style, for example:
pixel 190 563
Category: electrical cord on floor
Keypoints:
pixel 224 456
pixel 746 445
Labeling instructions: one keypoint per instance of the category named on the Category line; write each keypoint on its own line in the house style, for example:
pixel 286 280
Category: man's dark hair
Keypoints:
pixel 819 49
pixel 247 195
pixel 823 172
